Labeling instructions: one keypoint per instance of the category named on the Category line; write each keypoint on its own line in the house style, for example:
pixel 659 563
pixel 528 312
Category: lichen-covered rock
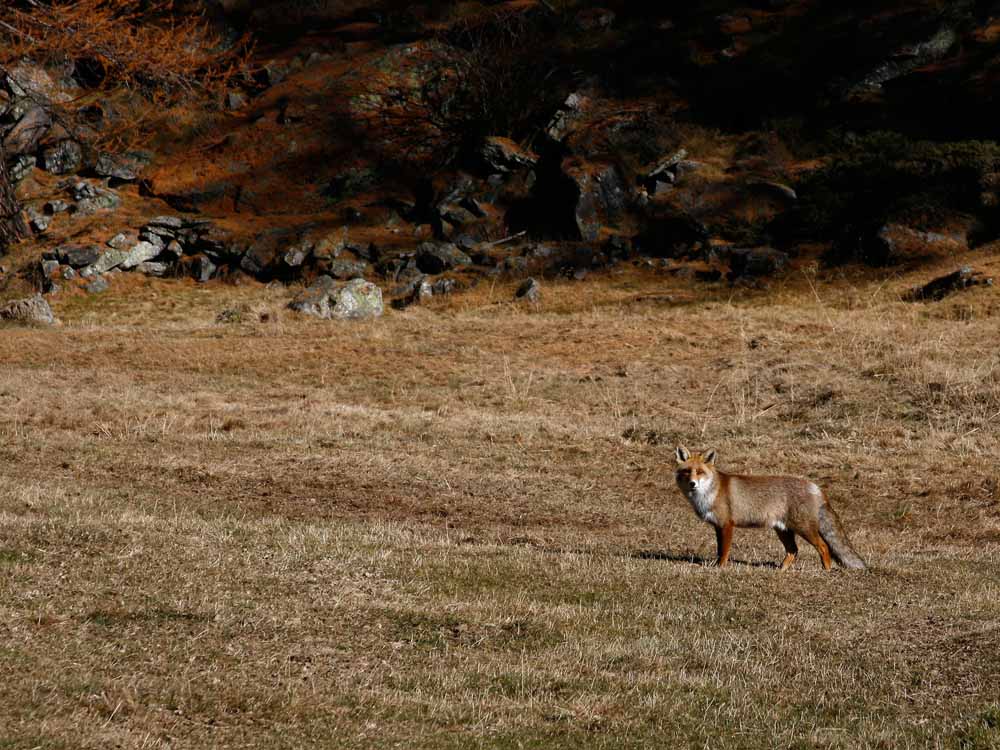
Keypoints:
pixel 30 310
pixel 108 260
pixel 91 198
pixel 140 253
pixel 326 298
pixel 64 157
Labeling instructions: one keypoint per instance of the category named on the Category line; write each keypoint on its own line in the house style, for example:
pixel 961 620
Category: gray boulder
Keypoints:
pixel 202 269
pixel 77 256
pixel 326 298
pixel 153 268
pixel 108 260
pixel 600 196
pixel 140 253
pixel 437 257
pixel 30 310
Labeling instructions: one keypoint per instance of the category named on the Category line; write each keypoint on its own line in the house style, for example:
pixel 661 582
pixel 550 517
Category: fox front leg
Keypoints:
pixel 724 539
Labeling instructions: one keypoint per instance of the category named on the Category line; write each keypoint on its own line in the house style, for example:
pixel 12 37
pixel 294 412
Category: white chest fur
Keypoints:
pixel 702 501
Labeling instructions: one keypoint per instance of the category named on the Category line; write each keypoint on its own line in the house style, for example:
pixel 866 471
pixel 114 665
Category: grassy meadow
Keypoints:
pixel 456 526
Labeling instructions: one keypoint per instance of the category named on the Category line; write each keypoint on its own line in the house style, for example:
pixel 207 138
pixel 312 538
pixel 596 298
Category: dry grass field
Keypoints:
pixel 456 526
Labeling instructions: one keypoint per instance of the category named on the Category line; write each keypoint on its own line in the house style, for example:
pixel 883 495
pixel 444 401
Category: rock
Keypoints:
pixel 906 60
pixel 49 267
pixel 121 168
pixel 153 269
pixel 56 206
pixel 436 257
pixel 64 157
pixel 355 300
pixel 108 260
pixel 296 255
pixel 671 234
pixel 90 198
pixel 661 171
pixel 31 310
pixel 600 197
pixel 78 256
pixel 39 222
pixel 97 286
pixel 202 269
pixel 29 130
pixel 942 286
pixel 33 82
pixel 122 241
pixel 529 291
pixel 166 222
pixel 68 273
pixel 442 287
pixel 346 269
pixel 568 117
pixel 418 292
pixel 173 251
pixel 871 244
pixel 775 189
pixel 141 252
pixel 331 245
pixel 21 166
pixel 754 262
pixel 503 155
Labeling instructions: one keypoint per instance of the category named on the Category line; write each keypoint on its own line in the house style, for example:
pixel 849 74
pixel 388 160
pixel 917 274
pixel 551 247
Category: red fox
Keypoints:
pixel 789 505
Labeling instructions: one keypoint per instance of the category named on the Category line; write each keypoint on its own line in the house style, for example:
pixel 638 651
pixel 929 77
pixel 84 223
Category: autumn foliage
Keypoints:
pixel 130 43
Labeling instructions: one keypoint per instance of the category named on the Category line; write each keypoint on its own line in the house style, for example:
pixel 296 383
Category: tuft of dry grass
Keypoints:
pixel 456 526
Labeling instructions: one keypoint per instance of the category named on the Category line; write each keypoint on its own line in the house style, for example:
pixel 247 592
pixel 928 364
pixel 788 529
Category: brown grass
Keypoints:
pixel 456 526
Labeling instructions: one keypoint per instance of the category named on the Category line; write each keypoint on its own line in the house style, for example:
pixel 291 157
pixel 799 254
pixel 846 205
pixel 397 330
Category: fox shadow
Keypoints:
pixel 667 556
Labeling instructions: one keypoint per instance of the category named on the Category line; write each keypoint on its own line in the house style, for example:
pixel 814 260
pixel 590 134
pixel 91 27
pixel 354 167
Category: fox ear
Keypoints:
pixel 710 456
pixel 682 454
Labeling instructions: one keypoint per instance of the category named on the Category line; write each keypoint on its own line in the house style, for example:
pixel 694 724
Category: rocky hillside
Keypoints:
pixel 424 147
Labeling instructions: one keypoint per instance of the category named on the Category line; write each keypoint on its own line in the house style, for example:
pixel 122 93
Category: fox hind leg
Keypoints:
pixel 791 548
pixel 816 541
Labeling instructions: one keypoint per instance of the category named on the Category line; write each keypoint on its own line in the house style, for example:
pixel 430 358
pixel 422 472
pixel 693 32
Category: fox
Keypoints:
pixel 789 505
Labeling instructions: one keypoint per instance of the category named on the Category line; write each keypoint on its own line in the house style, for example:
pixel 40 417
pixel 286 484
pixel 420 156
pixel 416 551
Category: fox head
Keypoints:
pixel 695 472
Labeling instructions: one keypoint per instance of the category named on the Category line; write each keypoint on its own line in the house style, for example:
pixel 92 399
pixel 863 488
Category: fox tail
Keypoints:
pixel 835 537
